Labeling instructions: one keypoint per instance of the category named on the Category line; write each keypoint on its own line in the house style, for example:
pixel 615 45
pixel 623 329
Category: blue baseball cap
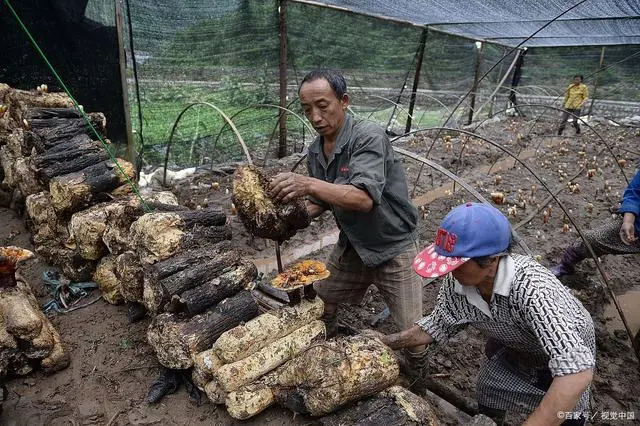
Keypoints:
pixel 469 230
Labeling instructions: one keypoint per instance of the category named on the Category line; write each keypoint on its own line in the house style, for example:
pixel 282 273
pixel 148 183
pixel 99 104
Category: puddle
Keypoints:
pixel 268 265
pixel 630 304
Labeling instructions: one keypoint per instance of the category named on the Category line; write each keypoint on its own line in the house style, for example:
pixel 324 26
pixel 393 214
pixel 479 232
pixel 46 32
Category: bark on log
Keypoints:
pixel 105 221
pixel 233 376
pixel 107 280
pixel 332 374
pixel 27 181
pixel 130 275
pixel 161 235
pixel 42 345
pixel 395 406
pixel 176 341
pixel 251 399
pixel 200 298
pixel 80 142
pixel 20 101
pixel 21 319
pixel 261 215
pixel 54 130
pixel 244 340
pixel 185 271
pixel 59 358
pixel 47 113
pixel 76 191
pixel 8 349
pixel 72 265
pixel 205 364
pixel 75 162
pixel 74 148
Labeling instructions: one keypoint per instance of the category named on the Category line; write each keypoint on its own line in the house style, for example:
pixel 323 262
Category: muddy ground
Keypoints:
pixel 112 365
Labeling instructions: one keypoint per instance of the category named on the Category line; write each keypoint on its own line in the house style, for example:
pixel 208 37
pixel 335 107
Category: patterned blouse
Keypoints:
pixel 531 313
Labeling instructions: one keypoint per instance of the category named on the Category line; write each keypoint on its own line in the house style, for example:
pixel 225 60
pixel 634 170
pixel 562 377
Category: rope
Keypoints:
pixel 65 295
pixel 68 92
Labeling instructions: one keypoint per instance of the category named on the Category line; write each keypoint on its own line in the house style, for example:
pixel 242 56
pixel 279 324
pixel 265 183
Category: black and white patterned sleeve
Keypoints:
pixel 557 322
pixel 442 322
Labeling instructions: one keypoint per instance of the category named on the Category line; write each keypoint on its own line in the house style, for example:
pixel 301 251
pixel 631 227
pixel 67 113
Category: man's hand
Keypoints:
pixel 627 230
pixel 375 334
pixel 287 186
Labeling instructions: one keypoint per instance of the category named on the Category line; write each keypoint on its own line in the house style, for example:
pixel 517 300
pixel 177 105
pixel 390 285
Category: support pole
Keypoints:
pixel 130 154
pixel 282 142
pixel 416 77
pixel 495 91
pixel 476 77
pixel 595 81
pixel 517 73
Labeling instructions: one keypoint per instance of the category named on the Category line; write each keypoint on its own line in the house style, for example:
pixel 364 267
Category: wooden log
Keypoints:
pixel 395 406
pixel 204 296
pixel 21 319
pixel 8 349
pixel 205 364
pixel 74 148
pixel 47 113
pixel 130 275
pixel 215 392
pixel 72 265
pixel 251 399
pixel 161 235
pixel 59 358
pixel 75 162
pixel 261 215
pixel 42 345
pixel 177 341
pixel 88 227
pixel 56 129
pixel 27 180
pixel 79 142
pixel 185 271
pixel 107 280
pixel 330 375
pixel 246 339
pixel 78 190
pixel 20 101
pixel 233 376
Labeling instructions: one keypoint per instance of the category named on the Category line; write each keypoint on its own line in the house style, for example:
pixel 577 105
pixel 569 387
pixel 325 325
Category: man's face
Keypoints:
pixel 577 80
pixel 322 107
pixel 471 274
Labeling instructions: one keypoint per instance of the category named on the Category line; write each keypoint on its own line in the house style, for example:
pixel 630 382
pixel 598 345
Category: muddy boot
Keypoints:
pixel 415 366
pixel 570 257
pixel 168 382
pixel 330 324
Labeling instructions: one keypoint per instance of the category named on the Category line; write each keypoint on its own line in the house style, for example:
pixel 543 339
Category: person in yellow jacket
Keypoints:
pixel 575 96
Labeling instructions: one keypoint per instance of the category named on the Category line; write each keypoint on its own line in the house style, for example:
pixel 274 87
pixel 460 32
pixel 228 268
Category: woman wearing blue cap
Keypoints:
pixel 540 339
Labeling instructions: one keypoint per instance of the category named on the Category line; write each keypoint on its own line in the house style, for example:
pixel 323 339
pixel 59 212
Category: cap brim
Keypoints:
pixel 429 264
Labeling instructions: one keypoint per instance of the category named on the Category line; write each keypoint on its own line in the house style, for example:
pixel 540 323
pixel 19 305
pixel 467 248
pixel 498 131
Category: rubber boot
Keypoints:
pixel 415 366
pixel 330 324
pixel 570 257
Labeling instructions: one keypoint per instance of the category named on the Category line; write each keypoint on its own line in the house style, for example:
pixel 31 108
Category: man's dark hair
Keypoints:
pixel 484 261
pixel 335 78
pixel 579 75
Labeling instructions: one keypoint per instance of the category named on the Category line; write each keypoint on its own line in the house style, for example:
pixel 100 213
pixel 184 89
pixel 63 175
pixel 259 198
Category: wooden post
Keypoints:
pixel 130 154
pixel 416 78
pixel 595 81
pixel 474 89
pixel 282 144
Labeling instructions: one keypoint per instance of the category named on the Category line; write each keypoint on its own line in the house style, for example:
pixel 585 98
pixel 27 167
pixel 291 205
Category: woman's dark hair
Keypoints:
pixel 484 261
pixel 335 78
pixel 579 75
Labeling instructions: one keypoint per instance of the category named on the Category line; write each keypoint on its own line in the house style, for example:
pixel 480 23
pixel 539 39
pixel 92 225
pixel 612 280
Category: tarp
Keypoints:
pixel 583 22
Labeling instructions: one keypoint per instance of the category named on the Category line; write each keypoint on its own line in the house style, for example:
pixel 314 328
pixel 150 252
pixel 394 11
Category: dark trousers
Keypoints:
pixel 565 117
pixel 543 382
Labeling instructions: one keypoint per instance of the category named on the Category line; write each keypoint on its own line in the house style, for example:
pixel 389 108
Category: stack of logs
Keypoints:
pixel 177 262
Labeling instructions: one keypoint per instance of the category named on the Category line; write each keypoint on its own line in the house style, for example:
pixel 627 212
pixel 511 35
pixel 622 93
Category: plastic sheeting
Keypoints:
pixel 583 22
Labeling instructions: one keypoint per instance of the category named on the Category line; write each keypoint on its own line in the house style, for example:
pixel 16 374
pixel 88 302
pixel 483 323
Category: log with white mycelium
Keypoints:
pixel 246 339
pixel 321 379
pixel 233 376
